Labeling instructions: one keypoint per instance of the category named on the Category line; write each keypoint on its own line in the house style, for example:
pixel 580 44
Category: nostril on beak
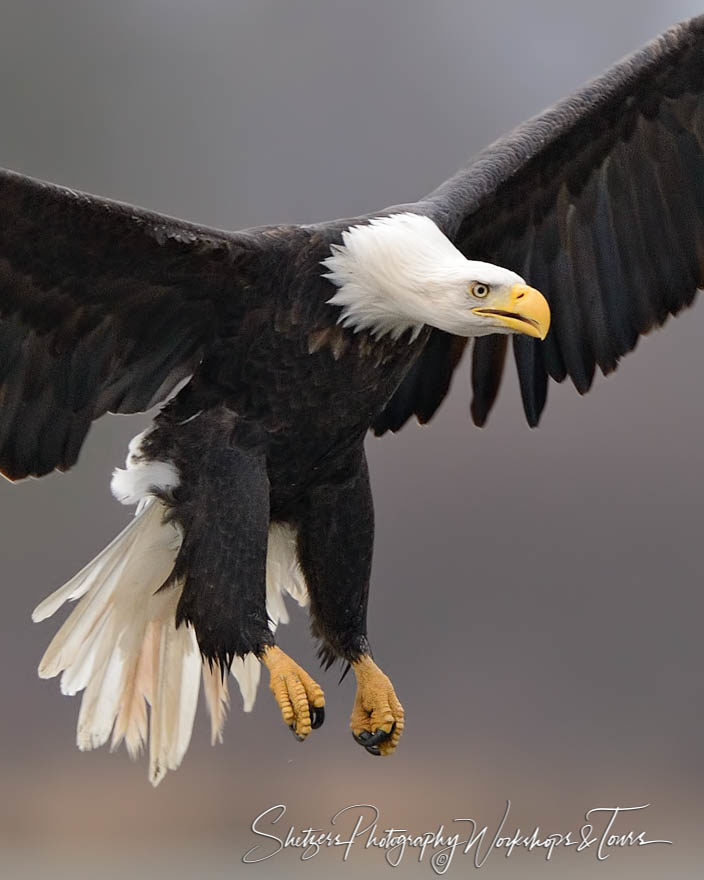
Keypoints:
pixel 520 296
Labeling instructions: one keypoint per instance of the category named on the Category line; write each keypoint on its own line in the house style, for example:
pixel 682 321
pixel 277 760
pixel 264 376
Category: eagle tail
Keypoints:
pixel 120 644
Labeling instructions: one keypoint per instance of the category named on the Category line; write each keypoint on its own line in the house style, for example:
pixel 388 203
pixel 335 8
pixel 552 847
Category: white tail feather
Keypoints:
pixel 217 698
pixel 247 671
pixel 121 645
pixel 175 699
pixel 283 573
pixel 131 721
pixel 80 582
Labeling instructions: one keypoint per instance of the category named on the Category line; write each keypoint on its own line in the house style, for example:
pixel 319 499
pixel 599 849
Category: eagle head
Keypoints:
pixel 400 272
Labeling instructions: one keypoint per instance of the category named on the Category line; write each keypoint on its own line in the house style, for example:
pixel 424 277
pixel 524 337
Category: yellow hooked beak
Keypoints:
pixel 525 310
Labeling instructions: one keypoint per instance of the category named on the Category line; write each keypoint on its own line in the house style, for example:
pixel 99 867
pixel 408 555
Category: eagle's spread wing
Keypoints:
pixel 103 307
pixel 599 203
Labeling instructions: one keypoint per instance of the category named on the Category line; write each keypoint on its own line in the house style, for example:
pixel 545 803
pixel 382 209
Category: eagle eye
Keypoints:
pixel 478 289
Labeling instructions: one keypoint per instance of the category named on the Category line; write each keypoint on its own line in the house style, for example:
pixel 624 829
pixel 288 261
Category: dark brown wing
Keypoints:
pixel 103 307
pixel 599 203
pixel 426 384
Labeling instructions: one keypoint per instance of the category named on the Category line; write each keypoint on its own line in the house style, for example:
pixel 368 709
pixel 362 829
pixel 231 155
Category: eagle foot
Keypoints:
pixel 300 698
pixel 377 717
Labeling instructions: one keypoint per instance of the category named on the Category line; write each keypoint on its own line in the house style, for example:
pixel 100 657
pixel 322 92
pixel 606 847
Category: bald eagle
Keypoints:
pixel 275 350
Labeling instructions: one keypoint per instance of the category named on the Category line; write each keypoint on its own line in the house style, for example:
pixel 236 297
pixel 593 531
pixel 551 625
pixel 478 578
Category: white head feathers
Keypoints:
pixel 400 272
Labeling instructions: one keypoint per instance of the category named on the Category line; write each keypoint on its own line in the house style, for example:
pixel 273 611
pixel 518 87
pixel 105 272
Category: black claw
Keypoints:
pixel 379 736
pixel 373 750
pixel 372 739
pixel 292 728
pixel 317 716
pixel 361 737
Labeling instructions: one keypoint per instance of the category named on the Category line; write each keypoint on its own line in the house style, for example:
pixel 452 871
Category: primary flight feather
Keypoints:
pixel 289 343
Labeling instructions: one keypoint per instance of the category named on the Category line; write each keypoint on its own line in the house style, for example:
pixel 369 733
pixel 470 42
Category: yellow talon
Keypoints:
pixel 295 692
pixel 377 717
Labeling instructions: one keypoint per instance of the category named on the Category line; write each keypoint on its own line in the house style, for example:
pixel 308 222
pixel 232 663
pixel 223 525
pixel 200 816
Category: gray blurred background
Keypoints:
pixel 537 595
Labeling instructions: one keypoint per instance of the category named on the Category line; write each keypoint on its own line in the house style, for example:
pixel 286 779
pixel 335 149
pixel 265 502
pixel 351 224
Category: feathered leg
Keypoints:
pixel 222 507
pixel 335 539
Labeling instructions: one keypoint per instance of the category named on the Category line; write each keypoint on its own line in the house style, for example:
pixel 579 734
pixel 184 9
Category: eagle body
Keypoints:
pixel 274 351
pixel 285 448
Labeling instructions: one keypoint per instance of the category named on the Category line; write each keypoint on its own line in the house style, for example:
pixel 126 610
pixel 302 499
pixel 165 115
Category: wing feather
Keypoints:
pixel 103 307
pixel 426 384
pixel 488 360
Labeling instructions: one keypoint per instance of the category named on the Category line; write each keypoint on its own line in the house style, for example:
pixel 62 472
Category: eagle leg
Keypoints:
pixel 378 716
pixel 300 698
pixel 222 508
pixel 335 538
